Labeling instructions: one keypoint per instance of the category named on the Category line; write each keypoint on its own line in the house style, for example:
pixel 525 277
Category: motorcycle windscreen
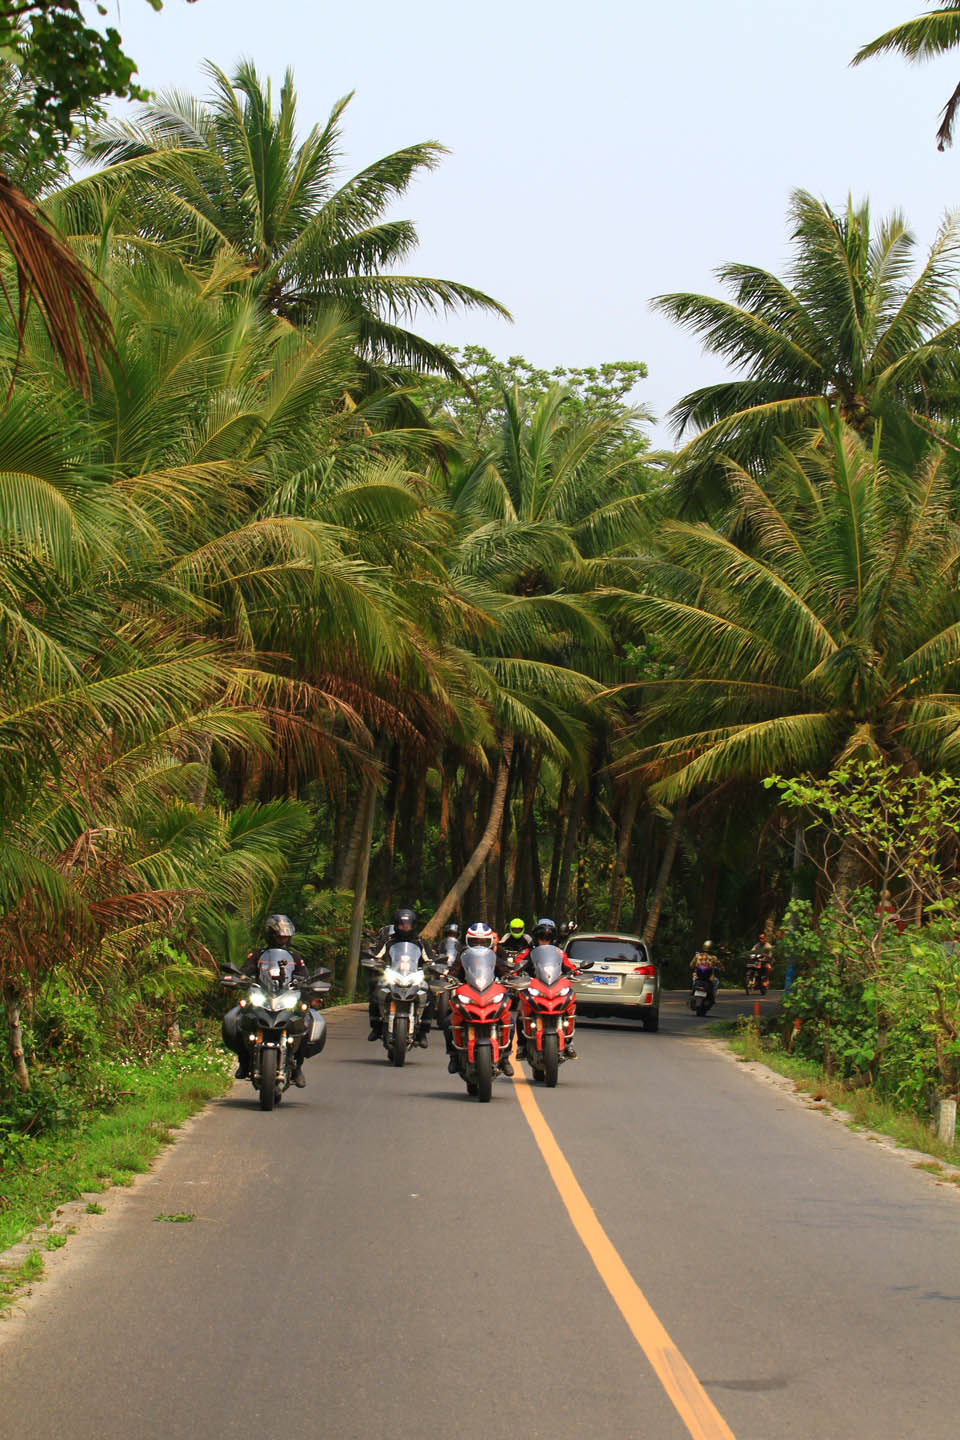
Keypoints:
pixel 450 948
pixel 276 967
pixel 547 963
pixel 404 956
pixel 479 966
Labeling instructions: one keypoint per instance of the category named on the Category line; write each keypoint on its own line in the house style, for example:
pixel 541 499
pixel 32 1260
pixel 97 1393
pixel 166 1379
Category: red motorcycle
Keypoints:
pixel 547 1015
pixel 480 1020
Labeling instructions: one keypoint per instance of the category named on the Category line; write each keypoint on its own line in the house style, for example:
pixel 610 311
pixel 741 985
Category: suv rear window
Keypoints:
pixel 612 949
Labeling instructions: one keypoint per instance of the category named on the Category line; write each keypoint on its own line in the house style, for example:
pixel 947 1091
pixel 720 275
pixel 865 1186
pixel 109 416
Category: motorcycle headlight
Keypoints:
pixel 564 990
pixel 497 998
pixel 256 996
pixel 532 990
pixel 393 977
pixel 286 1000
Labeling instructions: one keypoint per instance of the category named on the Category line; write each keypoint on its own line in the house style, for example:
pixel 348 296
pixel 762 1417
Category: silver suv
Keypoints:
pixel 624 980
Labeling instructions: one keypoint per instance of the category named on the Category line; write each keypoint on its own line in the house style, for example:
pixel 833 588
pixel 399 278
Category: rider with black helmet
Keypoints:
pixel 404 926
pixel 545 933
pixel 279 931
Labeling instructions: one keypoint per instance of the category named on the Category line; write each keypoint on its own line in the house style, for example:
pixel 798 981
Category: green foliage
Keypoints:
pixel 930 34
pixel 876 1006
pixel 849 327
pixel 895 821
pixel 67 68
pixel 827 628
pixel 480 411
pixel 234 180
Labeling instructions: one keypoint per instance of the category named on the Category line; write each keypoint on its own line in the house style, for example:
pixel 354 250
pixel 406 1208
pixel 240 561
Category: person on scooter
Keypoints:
pixel 404 926
pixel 545 933
pixel 479 936
pixel 279 931
pixel 707 957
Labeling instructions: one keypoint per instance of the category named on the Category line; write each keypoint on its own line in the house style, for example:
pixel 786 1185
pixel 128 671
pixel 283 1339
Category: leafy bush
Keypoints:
pixel 876 1004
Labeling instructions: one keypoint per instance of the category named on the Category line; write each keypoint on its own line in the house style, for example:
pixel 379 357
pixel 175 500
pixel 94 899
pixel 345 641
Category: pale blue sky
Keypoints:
pixel 601 152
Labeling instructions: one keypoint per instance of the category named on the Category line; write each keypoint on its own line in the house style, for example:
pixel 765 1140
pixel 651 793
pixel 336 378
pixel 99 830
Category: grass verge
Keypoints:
pixel 107 1149
pixel 16 1279
pixel 865 1109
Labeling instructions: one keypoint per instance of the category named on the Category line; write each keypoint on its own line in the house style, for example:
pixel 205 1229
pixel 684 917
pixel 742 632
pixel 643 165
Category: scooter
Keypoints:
pixel 275 1018
pixel 703 990
pixel 547 1016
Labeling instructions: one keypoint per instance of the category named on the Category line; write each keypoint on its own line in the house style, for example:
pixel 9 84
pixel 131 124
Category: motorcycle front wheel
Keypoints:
pixel 268 1079
pixel 484 1063
pixel 551 1059
pixel 398 1045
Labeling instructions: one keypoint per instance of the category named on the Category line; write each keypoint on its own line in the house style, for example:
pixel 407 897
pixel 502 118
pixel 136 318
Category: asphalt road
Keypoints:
pixel 383 1257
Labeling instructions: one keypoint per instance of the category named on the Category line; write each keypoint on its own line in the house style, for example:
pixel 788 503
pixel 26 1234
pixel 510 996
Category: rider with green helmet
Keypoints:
pixel 514 941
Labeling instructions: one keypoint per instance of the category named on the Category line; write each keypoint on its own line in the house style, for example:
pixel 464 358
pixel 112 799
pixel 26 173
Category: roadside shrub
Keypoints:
pixel 876 1004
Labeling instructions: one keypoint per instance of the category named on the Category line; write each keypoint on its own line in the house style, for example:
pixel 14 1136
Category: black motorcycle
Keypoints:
pixel 276 1017
pixel 437 972
pixel 402 996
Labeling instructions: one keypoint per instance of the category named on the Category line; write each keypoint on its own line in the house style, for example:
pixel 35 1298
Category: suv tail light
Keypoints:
pixel 650 970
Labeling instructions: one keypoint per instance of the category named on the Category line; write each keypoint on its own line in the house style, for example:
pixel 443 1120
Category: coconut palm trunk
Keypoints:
pixel 454 897
pixel 558 834
pixel 663 876
pixel 628 815
pixel 11 1005
pixel 368 809
pixel 570 845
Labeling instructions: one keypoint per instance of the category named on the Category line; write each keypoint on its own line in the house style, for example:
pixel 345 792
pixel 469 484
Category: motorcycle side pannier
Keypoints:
pixel 316 1032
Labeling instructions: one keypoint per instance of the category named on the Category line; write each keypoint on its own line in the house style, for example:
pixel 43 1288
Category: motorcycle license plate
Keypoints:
pixel 699 994
pixel 605 980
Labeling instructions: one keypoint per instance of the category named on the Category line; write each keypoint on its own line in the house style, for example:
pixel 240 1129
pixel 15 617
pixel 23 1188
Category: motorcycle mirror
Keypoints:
pixel 229 968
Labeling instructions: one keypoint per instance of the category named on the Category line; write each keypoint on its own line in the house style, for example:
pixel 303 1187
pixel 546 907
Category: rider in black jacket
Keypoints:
pixel 404 926
pixel 279 931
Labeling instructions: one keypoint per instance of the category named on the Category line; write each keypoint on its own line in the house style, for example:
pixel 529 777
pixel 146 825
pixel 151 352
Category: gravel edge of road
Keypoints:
pixel 917 1160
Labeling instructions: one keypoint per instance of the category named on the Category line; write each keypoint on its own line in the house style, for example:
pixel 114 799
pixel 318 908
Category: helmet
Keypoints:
pixel 280 927
pixel 707 945
pixel 480 934
pixel 517 928
pixel 453 929
pixel 546 932
pixel 568 927
pixel 405 922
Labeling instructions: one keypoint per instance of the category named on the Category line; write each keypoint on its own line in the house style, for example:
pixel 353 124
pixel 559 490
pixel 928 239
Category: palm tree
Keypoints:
pixel 848 327
pixel 932 33
pixel 230 173
pixel 833 630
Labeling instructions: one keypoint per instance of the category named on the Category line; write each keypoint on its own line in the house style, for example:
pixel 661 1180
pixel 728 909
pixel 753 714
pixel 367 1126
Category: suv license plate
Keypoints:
pixel 605 980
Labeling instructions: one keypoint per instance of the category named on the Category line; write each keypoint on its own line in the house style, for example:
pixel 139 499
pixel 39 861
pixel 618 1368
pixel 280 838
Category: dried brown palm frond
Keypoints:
pixel 49 274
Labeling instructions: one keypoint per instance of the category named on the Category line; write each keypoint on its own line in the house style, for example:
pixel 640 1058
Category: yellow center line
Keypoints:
pixel 691 1401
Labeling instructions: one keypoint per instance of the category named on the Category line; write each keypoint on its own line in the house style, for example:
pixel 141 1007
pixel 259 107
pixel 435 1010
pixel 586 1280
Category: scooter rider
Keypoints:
pixel 404 926
pixel 706 956
pixel 545 933
pixel 279 931
pixel 479 936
